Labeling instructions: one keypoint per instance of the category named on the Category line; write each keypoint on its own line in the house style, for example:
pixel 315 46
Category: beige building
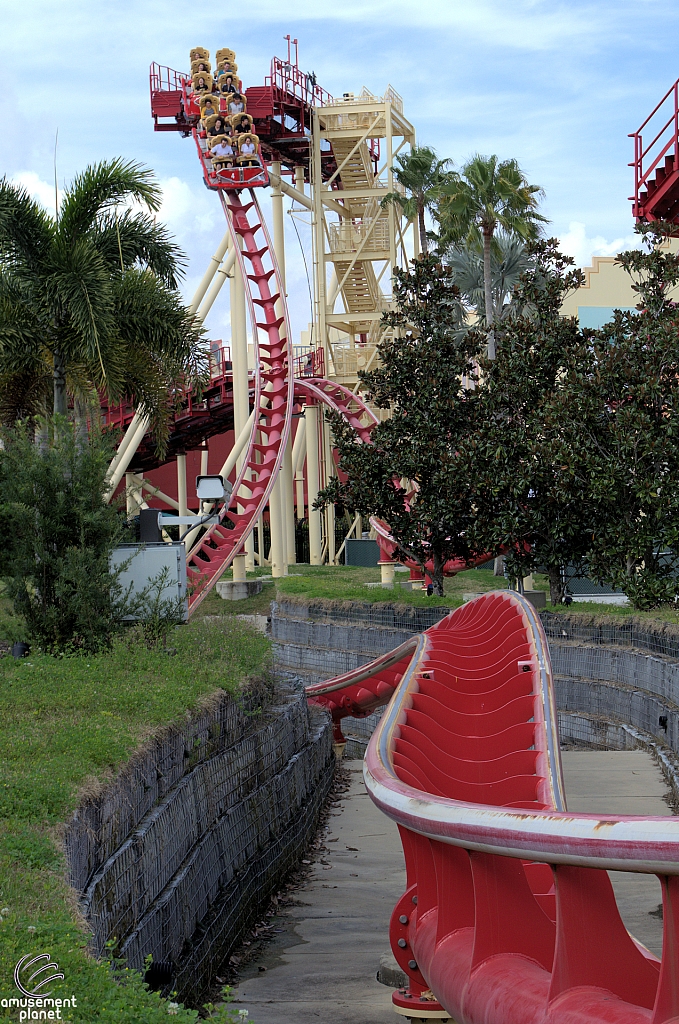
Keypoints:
pixel 607 287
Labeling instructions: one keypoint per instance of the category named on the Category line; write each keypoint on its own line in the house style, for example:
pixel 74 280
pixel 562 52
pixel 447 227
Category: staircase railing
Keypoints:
pixel 665 142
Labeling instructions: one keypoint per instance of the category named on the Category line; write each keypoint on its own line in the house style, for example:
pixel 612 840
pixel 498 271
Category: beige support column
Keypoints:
pixel 225 271
pixel 329 467
pixel 278 221
pixel 133 493
pixel 387 573
pixel 239 361
pixel 298 457
pixel 238 566
pixel 119 465
pixel 210 272
pixel 299 178
pixel 311 417
pixel 289 500
pixel 330 532
pixel 299 493
pixel 181 485
pixel 278 553
pixel 263 560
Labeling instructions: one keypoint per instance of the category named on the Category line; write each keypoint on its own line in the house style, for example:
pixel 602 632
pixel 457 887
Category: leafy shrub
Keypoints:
pixel 58 534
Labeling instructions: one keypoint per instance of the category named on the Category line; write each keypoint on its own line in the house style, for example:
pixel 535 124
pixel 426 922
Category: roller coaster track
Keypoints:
pixel 273 398
pixel 276 391
pixel 509 915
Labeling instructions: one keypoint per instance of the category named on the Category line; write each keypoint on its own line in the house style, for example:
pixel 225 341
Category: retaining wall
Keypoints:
pixel 617 683
pixel 177 857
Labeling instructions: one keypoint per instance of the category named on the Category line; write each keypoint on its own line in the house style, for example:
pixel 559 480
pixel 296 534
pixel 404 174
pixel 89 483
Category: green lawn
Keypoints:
pixel 66 725
pixel 348 583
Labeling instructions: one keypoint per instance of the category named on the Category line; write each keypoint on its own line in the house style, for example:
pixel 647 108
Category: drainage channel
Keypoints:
pixel 328 937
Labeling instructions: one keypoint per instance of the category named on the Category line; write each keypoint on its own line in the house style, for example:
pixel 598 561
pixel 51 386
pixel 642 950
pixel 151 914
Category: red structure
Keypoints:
pixel 509 915
pixel 656 162
pixel 280 109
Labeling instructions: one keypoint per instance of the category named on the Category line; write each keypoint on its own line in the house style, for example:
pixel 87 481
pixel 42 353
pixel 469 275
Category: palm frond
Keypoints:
pixel 26 229
pixel 161 342
pixel 137 240
pixel 509 261
pixel 80 288
pixel 101 187
pixel 24 394
pixel 24 322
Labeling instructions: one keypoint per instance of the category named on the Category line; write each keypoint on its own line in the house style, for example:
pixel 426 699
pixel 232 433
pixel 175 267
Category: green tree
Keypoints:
pixel 486 194
pixel 58 533
pixel 88 298
pixel 422 176
pixel 508 261
pixel 627 429
pixel 531 481
pixel 422 381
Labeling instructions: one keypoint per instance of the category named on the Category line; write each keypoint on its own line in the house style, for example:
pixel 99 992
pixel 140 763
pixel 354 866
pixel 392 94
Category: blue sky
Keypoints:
pixel 558 85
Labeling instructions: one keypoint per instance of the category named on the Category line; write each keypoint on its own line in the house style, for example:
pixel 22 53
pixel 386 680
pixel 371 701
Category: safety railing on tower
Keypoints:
pixel 290 79
pixel 657 139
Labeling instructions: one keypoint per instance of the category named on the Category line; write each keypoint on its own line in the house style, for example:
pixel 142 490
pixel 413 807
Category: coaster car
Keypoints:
pixel 225 54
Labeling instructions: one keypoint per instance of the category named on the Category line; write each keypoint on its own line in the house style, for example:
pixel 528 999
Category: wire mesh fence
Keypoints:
pixel 656 638
pixel 176 858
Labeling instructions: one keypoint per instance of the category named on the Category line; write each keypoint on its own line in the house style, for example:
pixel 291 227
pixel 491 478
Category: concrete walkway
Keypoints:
pixel 322 965
pixel 622 782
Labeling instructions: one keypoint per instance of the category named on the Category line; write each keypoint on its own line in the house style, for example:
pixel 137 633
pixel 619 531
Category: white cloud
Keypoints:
pixel 186 209
pixel 41 191
pixel 576 243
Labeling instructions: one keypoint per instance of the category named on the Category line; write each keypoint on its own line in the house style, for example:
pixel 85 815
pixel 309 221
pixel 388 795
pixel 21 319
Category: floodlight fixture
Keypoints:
pixel 212 488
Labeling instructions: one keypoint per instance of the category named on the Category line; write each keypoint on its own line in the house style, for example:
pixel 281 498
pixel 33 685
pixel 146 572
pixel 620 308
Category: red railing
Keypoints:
pixel 164 79
pixel 288 78
pixel 665 141
pixel 310 365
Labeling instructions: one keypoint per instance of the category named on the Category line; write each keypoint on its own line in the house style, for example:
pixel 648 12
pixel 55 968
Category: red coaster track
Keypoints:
pixel 509 915
pixel 282 114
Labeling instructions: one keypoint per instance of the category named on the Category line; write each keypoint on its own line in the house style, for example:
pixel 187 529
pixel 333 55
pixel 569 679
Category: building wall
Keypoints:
pixel 607 287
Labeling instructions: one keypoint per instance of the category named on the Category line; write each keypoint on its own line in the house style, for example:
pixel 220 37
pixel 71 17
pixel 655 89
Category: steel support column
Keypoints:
pixel 313 486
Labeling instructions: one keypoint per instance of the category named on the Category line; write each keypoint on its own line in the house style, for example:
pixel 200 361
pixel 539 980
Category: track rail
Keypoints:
pixel 509 916
pixel 273 398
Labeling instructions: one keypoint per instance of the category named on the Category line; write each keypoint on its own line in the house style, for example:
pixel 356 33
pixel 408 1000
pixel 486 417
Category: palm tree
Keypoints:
pixel 89 297
pixel 422 177
pixel 487 194
pixel 508 261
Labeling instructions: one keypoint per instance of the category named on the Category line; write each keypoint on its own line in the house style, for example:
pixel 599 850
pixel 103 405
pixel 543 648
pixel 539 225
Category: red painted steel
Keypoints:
pixel 273 398
pixel 389 551
pixel 281 110
pixel 509 916
pixel 656 162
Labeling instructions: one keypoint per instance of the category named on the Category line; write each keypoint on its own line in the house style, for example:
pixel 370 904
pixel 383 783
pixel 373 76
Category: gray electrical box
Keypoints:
pixel 361 552
pixel 146 563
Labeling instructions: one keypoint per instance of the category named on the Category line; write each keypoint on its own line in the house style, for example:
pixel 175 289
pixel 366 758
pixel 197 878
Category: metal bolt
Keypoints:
pixel 412 964
pixel 403 919
pixel 402 943
pixel 414 898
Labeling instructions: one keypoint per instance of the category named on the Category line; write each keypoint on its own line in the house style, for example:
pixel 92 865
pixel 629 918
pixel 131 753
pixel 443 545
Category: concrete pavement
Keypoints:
pixel 322 965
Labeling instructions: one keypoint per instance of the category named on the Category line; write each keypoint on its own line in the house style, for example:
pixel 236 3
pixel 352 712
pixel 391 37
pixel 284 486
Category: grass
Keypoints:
pixel 66 723
pixel 348 583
